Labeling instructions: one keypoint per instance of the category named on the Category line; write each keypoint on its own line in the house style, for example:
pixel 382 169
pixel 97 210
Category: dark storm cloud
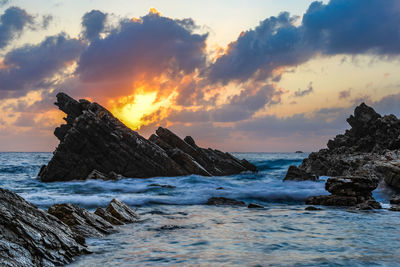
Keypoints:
pixel 32 66
pixel 301 93
pixel 151 46
pixel 93 23
pixel 339 27
pixel 12 23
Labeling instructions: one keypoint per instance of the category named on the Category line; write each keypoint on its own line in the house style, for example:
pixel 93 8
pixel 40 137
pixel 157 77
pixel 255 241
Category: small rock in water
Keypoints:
pixel 81 221
pixel 122 212
pixel 255 206
pixel 312 208
pixel 107 216
pixel 219 201
pixel 395 208
pixel 220 188
pixel 395 200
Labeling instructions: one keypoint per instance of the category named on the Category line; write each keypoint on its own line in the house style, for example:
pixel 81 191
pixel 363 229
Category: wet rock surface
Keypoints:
pixel 32 237
pixel 296 174
pixel 371 145
pixel 369 149
pixel 96 144
pixel 348 191
pixel 223 201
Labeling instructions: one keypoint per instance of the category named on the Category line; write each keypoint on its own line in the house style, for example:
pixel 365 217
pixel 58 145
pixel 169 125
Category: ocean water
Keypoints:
pixel 177 229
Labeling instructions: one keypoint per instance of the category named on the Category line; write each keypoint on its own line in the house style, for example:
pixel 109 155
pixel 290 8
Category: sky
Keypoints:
pixel 260 75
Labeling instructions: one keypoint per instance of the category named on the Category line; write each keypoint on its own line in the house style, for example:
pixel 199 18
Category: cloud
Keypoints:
pixel 339 27
pixel 12 23
pixel 93 23
pixel 345 94
pixel 33 67
pixel 151 46
pixel 301 93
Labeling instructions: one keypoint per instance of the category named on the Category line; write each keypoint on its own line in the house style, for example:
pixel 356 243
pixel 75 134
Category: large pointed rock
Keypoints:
pixel 94 140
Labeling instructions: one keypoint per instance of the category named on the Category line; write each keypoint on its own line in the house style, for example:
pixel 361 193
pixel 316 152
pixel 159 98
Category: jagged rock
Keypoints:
pixel 121 211
pixel 254 206
pixel 222 201
pixel 348 191
pixel 31 237
pixel 163 185
pixel 82 222
pixel 296 174
pixel 94 140
pixel 107 216
pixel 370 148
pixel 370 204
pixel 95 175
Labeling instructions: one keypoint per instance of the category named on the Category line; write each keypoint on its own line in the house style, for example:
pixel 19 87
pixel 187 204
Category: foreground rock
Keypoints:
pixel 100 223
pixel 348 191
pixel 96 144
pixel 31 237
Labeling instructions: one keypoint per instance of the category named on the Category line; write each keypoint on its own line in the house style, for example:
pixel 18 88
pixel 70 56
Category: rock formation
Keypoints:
pixel 348 191
pixel 96 144
pixel 30 236
pixel 371 149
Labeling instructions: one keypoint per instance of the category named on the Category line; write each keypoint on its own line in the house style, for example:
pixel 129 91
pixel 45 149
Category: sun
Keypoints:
pixel 133 109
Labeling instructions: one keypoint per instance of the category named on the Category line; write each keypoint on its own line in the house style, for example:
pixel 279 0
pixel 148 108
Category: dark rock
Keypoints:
pixel 82 222
pixel 312 208
pixel 96 175
pixel 351 185
pixel 122 212
pixel 107 216
pixel 370 147
pixel 348 191
pixel 296 174
pixel 220 188
pixel 255 206
pixel 93 140
pixel 219 201
pixel 31 237
pixel 395 200
pixel 299 152
pixel 395 208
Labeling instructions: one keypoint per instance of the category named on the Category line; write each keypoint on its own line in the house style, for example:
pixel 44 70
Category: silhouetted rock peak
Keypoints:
pixel 94 143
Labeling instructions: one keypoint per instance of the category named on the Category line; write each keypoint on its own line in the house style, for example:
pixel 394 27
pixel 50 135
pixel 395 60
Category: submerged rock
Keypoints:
pixel 31 237
pixel 312 208
pixel 96 144
pixel 222 201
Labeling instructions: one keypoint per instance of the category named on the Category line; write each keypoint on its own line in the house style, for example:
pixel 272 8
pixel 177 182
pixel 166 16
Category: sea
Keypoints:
pixel 177 228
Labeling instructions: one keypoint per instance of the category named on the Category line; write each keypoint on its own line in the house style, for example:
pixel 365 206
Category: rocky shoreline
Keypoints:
pixel 33 237
pixel 96 145
pixel 356 161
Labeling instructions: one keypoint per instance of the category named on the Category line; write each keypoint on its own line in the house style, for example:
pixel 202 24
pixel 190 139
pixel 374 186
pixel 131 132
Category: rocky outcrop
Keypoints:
pixel 95 144
pixel 348 191
pixel 100 223
pixel 371 147
pixel 296 174
pixel 30 236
